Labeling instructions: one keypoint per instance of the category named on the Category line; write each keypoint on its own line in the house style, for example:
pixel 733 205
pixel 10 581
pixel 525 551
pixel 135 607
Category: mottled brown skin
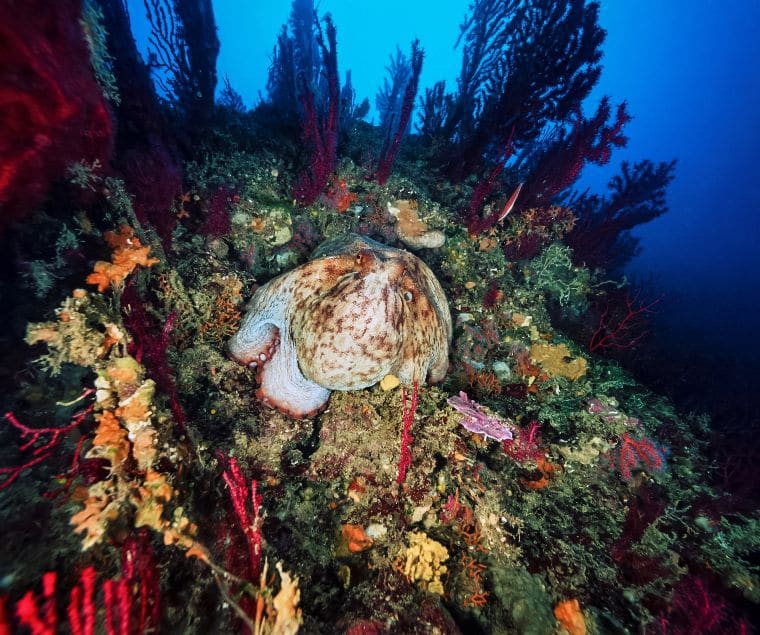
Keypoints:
pixel 356 313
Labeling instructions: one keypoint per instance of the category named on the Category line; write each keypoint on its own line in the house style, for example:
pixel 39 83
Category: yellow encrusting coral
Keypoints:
pixel 424 562
pixel 558 360
pixel 89 334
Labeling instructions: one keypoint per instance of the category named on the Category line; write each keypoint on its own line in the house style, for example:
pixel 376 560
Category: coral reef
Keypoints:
pixel 537 487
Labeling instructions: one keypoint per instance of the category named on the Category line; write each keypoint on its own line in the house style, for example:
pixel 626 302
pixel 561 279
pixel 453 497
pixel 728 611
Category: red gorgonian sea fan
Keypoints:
pixel 632 453
pixel 52 110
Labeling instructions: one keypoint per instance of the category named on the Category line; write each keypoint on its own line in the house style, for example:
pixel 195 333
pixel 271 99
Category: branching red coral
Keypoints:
pixel 149 345
pixel 523 67
pixel 626 329
pixel 526 444
pixel 696 608
pixel 483 189
pixel 601 236
pixel 390 146
pixel 589 141
pixel 130 603
pixel 634 452
pixel 42 452
pixel 320 134
pixel 81 610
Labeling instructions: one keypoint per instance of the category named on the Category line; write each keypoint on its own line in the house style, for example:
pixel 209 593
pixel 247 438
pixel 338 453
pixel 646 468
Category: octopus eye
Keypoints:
pixel 408 296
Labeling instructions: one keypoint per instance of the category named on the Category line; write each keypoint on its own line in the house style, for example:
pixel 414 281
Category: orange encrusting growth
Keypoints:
pixel 547 470
pixel 570 616
pixel 128 253
pixel 355 538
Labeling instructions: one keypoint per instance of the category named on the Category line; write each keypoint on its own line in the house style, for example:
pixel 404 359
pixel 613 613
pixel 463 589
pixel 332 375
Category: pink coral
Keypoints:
pixel 476 420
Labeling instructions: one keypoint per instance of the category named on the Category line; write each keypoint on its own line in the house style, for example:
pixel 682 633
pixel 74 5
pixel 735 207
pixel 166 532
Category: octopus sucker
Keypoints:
pixel 358 311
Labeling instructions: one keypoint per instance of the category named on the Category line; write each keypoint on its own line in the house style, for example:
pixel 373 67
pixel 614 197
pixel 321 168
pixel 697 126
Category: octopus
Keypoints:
pixel 355 313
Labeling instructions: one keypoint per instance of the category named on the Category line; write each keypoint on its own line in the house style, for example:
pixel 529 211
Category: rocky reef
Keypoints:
pixel 458 442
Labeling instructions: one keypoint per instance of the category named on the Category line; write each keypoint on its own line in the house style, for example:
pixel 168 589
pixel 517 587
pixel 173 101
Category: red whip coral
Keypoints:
pixel 149 345
pixel 249 521
pixel 52 109
pixel 131 602
pixel 405 458
pixel 392 141
pixel 588 141
pixel 320 134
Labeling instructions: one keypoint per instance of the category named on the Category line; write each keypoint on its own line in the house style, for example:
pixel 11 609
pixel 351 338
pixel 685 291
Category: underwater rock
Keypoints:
pixel 358 311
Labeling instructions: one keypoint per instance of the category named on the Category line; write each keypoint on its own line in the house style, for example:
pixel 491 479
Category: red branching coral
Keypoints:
pixel 149 345
pixel 483 189
pixel 523 67
pixel 29 614
pixel 589 141
pixel 634 452
pixel 695 608
pixel 645 507
pixel 249 520
pixel 526 444
pixel 320 134
pixel 622 326
pixel 52 110
pixel 405 458
pixel 133 601
pixel 154 176
pixel 390 146
pixel 42 452
pixel 130 603
pixel 601 236
pixel 146 148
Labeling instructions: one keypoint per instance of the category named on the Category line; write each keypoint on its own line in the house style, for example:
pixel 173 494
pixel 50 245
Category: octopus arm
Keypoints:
pixel 264 342
pixel 283 385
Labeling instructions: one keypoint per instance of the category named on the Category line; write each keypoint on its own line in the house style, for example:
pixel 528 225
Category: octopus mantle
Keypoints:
pixel 358 311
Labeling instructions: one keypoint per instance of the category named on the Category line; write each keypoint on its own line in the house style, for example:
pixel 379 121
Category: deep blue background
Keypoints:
pixel 690 71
